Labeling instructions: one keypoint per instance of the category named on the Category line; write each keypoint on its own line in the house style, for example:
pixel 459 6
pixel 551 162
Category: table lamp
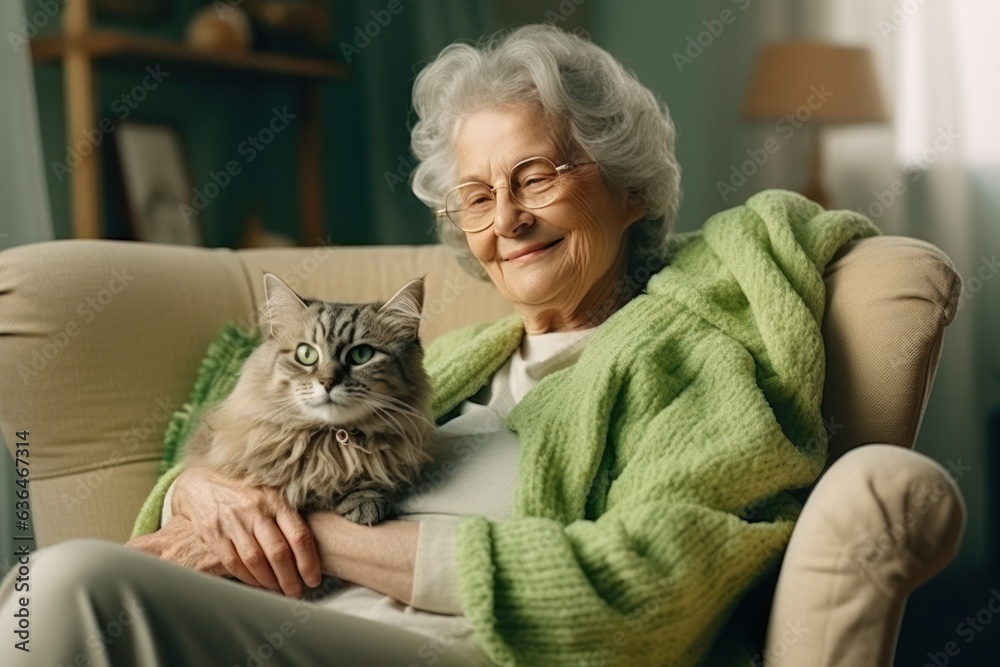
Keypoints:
pixel 814 83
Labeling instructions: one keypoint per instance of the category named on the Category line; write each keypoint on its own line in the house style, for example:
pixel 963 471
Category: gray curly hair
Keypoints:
pixel 597 107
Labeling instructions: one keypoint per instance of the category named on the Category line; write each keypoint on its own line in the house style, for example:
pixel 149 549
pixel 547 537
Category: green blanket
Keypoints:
pixel 655 473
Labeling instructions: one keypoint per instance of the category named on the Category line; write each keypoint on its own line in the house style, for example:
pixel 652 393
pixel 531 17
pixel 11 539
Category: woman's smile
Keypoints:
pixel 532 252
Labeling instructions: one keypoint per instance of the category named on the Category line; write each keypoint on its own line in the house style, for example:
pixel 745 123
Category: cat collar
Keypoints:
pixel 351 439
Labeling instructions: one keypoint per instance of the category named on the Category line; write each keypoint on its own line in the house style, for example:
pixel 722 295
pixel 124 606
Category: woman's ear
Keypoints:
pixel 635 209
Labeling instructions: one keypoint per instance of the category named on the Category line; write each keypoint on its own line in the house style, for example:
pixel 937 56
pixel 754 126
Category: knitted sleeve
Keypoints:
pixel 604 592
pixel 148 520
pixel 443 344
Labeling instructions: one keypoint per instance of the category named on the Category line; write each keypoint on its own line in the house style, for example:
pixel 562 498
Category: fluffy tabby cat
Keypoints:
pixel 333 407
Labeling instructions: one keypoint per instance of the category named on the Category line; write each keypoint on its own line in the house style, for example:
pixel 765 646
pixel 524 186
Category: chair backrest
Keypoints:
pixel 452 298
pixel 889 299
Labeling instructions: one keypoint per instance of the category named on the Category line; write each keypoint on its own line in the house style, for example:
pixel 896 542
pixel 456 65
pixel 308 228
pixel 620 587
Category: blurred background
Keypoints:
pixel 247 123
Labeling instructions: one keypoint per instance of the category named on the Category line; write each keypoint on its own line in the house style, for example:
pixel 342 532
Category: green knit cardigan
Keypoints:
pixel 655 473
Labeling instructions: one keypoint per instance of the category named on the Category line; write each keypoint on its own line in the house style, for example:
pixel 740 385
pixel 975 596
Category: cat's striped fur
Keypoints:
pixel 279 425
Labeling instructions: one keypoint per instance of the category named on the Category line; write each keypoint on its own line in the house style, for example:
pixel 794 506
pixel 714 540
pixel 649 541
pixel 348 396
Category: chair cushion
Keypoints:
pixel 888 301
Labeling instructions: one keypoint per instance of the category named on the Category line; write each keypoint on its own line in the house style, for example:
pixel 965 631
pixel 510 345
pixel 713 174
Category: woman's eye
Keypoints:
pixel 361 354
pixel 306 354
pixel 478 199
pixel 536 182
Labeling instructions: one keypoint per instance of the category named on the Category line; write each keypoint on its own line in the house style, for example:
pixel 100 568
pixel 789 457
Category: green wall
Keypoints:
pixel 698 65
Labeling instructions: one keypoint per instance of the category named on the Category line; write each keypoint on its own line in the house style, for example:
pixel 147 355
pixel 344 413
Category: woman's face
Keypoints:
pixel 576 244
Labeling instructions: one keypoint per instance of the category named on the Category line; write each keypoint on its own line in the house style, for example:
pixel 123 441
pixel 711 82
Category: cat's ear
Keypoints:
pixel 281 304
pixel 407 304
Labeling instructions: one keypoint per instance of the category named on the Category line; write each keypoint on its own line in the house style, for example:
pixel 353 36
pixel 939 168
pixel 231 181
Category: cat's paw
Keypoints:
pixel 364 507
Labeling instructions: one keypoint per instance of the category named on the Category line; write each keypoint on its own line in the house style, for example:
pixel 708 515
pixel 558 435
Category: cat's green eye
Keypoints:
pixel 360 354
pixel 306 354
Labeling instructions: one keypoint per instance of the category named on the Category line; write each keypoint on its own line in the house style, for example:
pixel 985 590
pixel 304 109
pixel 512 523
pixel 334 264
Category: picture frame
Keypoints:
pixel 158 184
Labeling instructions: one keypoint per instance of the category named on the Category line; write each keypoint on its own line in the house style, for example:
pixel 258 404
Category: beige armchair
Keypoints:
pixel 100 341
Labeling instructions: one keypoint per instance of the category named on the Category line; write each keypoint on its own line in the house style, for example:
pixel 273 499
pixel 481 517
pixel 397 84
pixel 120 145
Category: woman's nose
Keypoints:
pixel 511 218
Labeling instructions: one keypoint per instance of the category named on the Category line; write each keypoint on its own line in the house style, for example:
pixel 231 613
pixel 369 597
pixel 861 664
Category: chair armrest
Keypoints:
pixel 889 299
pixel 99 342
pixel 880 522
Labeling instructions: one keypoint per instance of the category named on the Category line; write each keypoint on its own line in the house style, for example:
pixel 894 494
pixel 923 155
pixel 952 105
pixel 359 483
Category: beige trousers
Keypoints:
pixel 94 603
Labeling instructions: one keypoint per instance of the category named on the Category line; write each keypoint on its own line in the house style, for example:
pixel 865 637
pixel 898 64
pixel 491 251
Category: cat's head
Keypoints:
pixel 345 364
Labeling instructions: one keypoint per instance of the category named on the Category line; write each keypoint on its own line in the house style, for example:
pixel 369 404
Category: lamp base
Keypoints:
pixel 814 187
pixel 816 192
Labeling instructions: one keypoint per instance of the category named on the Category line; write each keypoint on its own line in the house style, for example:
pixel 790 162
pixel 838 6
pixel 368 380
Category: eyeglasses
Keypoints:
pixel 533 183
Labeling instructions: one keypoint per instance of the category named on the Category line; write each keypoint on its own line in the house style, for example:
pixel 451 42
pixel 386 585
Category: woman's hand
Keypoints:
pixel 178 543
pixel 253 531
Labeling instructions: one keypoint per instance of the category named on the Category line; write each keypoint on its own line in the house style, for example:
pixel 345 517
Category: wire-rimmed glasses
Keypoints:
pixel 533 183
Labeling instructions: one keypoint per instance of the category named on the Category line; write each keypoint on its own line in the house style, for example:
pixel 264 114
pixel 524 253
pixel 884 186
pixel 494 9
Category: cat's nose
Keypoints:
pixel 336 378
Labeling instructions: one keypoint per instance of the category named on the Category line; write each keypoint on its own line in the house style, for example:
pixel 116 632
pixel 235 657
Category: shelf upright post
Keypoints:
pixel 80 89
pixel 311 164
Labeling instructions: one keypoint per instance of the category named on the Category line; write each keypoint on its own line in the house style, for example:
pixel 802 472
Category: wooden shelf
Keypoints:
pixel 82 49
pixel 116 45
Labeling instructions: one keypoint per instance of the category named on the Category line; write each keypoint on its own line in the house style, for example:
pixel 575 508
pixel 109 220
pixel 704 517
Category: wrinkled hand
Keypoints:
pixel 257 536
pixel 177 543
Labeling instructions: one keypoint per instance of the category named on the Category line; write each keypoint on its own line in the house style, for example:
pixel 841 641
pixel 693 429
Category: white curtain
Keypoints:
pixel 939 64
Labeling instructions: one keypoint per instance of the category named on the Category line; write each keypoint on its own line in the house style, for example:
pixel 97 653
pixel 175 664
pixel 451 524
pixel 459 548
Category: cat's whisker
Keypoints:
pixel 399 407
pixel 408 413
pixel 387 414
pixel 390 417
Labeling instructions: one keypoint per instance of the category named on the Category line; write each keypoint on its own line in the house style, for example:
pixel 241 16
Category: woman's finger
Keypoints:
pixel 219 543
pixel 279 555
pixel 147 544
pixel 253 557
pixel 300 539
pixel 227 554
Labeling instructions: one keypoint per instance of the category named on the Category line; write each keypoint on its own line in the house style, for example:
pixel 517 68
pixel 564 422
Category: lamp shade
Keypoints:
pixel 835 84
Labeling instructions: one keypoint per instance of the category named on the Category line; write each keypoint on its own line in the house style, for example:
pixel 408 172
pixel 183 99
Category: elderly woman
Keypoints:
pixel 628 439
